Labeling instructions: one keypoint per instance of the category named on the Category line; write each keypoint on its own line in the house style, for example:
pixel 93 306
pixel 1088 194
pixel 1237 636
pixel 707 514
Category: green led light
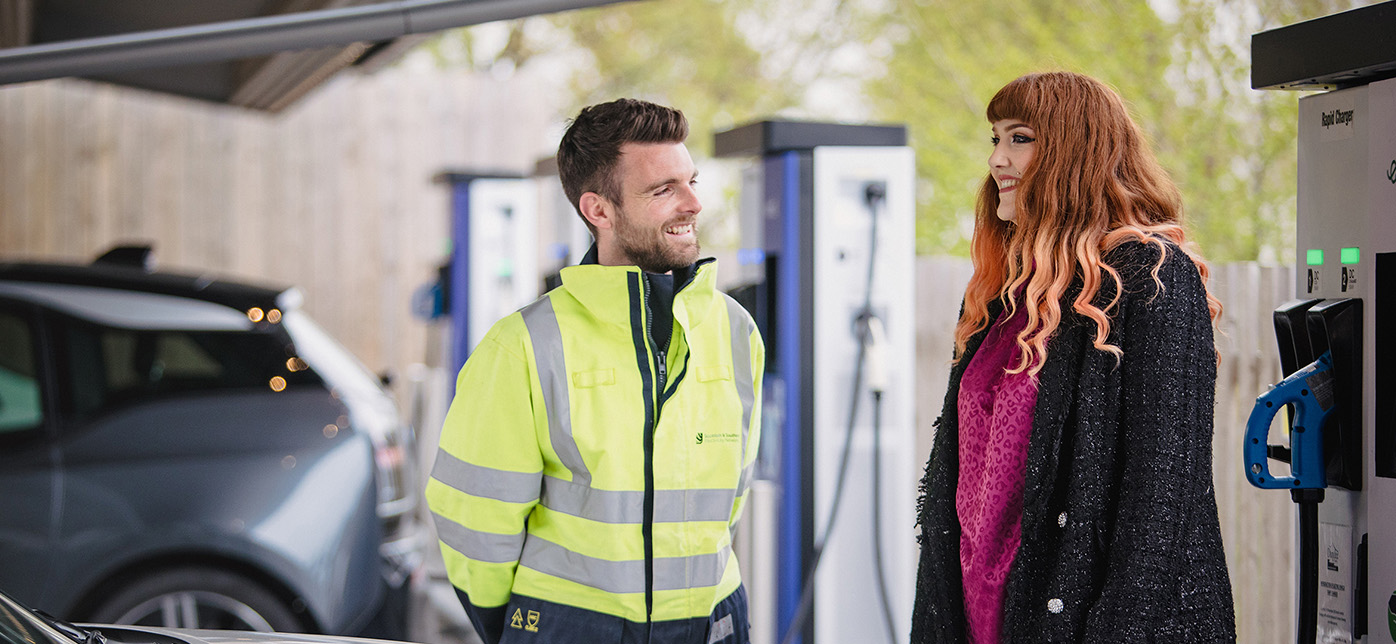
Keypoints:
pixel 1315 257
pixel 1349 255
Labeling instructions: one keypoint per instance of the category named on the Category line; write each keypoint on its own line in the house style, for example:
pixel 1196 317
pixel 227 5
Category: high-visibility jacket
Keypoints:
pixel 587 486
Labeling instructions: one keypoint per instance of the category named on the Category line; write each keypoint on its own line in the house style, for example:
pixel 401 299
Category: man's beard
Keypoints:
pixel 648 248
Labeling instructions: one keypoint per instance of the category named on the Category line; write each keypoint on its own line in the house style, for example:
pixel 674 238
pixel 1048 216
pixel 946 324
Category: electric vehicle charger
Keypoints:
pixel 871 339
pixel 1310 392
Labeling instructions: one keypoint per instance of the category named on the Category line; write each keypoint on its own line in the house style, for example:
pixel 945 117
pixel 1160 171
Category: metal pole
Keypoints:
pixel 264 35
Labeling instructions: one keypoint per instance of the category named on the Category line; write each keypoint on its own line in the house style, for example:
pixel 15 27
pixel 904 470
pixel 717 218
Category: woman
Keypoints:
pixel 1068 496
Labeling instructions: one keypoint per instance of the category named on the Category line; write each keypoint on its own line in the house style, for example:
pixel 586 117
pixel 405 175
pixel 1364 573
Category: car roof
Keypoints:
pixel 237 294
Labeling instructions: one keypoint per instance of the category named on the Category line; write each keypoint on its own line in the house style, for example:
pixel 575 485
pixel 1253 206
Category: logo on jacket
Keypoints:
pixel 716 438
pixel 517 621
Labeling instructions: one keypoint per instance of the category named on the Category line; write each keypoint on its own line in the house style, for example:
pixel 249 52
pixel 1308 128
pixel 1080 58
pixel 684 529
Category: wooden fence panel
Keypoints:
pixel 1257 524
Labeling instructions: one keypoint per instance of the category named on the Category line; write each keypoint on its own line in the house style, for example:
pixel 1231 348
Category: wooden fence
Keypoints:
pixel 335 195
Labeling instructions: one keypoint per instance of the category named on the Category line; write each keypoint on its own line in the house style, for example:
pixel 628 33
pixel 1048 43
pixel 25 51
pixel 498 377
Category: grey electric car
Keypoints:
pixel 185 451
pixel 20 624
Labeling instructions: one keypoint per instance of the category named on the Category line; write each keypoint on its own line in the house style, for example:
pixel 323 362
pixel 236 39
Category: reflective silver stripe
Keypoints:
pixel 676 506
pixel 606 506
pixel 741 326
pixel 543 331
pixel 671 573
pixel 480 546
pixel 678 573
pixel 486 482
pixel 626 507
pixel 745 480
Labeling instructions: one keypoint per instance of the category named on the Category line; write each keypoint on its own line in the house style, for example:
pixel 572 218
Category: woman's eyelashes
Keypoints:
pixel 1016 138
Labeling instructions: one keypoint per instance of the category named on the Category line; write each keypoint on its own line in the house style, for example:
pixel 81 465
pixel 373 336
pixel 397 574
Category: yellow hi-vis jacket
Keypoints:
pixel 579 469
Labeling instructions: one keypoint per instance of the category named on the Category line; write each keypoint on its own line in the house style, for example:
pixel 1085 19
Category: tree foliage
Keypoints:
pixel 724 62
pixel 949 59
pixel 1182 65
pixel 1186 78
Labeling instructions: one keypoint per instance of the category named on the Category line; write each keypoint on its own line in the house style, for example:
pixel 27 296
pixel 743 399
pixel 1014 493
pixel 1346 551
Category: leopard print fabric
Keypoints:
pixel 995 410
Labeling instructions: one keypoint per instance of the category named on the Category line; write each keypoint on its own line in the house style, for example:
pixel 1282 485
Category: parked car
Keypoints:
pixel 20 624
pixel 180 450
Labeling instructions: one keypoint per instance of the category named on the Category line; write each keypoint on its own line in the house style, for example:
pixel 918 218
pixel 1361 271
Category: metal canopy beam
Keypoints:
pixel 1355 47
pixel 265 35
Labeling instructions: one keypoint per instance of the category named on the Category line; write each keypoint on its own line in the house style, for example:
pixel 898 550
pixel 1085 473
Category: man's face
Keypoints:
pixel 656 220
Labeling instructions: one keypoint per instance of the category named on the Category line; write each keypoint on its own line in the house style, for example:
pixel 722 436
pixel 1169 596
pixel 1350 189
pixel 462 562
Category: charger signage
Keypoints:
pixel 1336 123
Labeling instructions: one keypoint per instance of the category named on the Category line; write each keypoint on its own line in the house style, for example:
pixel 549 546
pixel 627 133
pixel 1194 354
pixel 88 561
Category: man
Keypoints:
pixel 597 453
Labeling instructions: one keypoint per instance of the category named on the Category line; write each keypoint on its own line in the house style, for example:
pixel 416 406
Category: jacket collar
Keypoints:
pixel 603 289
pixel 592 256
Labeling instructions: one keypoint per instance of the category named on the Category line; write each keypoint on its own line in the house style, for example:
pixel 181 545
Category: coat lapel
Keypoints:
pixel 1056 394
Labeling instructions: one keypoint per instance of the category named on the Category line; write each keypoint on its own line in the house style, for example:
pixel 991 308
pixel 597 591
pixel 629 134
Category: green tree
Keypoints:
pixel 1235 149
pixel 1230 149
pixel 1182 65
pixel 950 57
pixel 724 62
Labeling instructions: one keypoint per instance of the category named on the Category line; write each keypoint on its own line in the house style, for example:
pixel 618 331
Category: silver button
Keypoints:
pixel 1061 520
pixel 1054 605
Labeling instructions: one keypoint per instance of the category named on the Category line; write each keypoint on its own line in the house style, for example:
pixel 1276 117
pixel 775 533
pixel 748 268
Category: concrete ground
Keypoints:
pixel 437 616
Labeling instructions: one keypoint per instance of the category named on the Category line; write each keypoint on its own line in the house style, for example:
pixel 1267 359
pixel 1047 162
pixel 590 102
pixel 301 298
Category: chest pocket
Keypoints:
pixel 712 373
pixel 595 378
pixel 709 405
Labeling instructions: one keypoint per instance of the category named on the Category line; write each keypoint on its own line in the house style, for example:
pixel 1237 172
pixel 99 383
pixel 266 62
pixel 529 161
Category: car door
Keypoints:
pixel 29 469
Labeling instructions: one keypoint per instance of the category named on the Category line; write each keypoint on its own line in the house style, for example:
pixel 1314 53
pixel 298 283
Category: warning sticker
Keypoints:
pixel 1322 386
pixel 1335 579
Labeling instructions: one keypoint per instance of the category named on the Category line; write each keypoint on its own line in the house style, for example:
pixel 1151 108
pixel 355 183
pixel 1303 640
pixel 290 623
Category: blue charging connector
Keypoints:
pixel 1311 392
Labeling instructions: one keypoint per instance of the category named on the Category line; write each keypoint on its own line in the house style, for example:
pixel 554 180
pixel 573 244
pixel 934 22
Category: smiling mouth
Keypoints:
pixel 679 229
pixel 1008 185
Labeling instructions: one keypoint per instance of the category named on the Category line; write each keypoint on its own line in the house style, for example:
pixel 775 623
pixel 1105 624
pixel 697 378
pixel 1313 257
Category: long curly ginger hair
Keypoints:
pixel 1093 184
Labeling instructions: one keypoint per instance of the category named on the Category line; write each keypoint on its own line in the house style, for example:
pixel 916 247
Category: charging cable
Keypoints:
pixel 871 335
pixel 874 341
pixel 877 384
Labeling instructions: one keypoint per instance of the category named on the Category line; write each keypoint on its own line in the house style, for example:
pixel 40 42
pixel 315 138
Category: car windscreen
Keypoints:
pixel 108 367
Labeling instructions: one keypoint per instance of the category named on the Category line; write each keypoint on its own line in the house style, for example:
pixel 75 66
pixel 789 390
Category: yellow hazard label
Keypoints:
pixel 532 625
pixel 517 620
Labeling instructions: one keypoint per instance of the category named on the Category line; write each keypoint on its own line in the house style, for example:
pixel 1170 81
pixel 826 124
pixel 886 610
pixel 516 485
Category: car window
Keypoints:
pixel 20 400
pixel 109 367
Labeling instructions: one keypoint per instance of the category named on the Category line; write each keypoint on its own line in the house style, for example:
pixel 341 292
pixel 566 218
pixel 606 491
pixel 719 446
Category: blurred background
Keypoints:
pixel 334 173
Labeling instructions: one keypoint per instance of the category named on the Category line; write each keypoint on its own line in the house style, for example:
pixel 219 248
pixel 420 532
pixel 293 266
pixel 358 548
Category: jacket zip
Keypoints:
pixel 658 363
pixel 655 362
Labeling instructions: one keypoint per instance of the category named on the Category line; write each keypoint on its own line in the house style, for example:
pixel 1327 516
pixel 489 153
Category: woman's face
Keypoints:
pixel 1014 143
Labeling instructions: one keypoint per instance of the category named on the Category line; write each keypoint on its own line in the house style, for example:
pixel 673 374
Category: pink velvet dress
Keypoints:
pixel 995 410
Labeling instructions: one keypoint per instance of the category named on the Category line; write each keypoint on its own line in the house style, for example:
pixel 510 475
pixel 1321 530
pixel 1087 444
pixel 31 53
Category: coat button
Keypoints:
pixel 1054 605
pixel 1061 520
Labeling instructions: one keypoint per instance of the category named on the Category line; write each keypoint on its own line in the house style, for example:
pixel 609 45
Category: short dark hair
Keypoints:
pixel 590 149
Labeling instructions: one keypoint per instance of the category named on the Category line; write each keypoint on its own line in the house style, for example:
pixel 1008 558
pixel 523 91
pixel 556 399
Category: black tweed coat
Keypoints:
pixel 1120 538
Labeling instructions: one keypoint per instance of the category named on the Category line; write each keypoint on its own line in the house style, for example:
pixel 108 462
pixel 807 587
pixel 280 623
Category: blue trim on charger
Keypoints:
pixel 791 565
pixel 460 277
